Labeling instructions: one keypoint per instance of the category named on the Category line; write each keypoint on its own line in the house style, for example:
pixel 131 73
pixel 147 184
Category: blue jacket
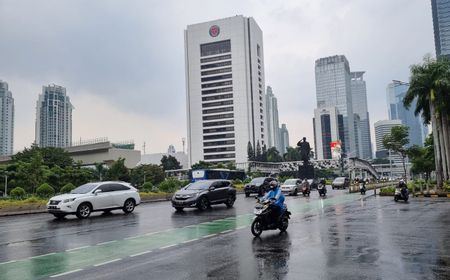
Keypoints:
pixel 277 195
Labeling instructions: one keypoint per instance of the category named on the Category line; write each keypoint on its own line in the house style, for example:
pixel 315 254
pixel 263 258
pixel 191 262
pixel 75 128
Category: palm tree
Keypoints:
pixel 430 85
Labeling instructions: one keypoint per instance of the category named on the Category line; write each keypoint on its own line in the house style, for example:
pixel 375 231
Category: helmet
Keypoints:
pixel 273 184
pixel 402 183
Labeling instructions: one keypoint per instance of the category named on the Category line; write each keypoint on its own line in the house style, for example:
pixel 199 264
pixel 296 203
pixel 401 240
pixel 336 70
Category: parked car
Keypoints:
pixel 291 186
pixel 202 194
pixel 91 197
pixel 258 185
pixel 340 183
pixel 313 183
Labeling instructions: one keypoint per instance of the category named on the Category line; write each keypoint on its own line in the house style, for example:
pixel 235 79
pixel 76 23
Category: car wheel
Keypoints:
pixel 284 223
pixel 84 210
pixel 247 194
pixel 179 209
pixel 203 203
pixel 230 201
pixel 296 192
pixel 59 215
pixel 256 227
pixel 128 206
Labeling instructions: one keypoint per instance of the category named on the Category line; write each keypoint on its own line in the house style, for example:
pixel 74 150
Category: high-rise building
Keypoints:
pixel 53 117
pixel 333 89
pixel 273 127
pixel 284 139
pixel 225 89
pixel 359 104
pixel 6 120
pixel 383 128
pixel 418 132
pixel 328 127
pixel 441 24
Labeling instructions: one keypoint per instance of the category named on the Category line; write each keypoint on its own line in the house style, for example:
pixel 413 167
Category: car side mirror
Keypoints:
pixel 97 191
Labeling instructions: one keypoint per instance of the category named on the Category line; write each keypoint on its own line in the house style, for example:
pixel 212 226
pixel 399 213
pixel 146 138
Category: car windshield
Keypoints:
pixel 84 188
pixel 290 182
pixel 339 180
pixel 199 185
pixel 257 180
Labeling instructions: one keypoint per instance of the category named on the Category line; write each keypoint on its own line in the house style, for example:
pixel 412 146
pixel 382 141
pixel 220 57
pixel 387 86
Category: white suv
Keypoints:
pixel 90 197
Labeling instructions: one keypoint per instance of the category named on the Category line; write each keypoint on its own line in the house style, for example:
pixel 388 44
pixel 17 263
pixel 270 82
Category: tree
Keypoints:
pixel 264 153
pixel 258 151
pixel 250 152
pixel 396 141
pixel 100 171
pixel 273 155
pixel 202 165
pixel 118 171
pixel 430 87
pixel 147 173
pixel 170 163
pixel 51 156
pixel 292 154
pixel 422 158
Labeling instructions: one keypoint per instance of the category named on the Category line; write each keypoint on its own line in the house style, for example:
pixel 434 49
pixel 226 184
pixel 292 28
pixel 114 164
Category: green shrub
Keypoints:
pixel 170 185
pixel 247 180
pixel 236 182
pixel 283 178
pixel 67 188
pixel 17 193
pixel 45 190
pixel 147 187
pixel 388 190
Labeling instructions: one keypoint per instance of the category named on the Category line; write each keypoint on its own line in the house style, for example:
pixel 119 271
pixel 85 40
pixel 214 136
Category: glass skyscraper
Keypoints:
pixel 441 24
pixel 6 120
pixel 359 102
pixel 396 91
pixel 273 127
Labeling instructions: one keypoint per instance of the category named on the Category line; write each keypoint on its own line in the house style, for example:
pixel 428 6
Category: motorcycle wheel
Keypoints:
pixel 284 223
pixel 395 199
pixel 256 227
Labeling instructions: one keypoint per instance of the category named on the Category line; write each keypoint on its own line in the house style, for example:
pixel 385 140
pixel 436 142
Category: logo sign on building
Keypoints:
pixel 336 149
pixel 214 31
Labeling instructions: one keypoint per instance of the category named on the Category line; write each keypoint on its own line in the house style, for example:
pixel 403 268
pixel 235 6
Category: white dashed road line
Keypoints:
pixel 12 261
pixel 192 240
pixel 78 248
pixel 49 254
pixel 111 261
pixel 141 253
pixel 226 231
pixel 211 235
pixel 65 273
pixel 107 242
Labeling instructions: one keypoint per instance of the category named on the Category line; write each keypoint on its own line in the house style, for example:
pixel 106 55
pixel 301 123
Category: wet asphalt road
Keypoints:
pixel 339 237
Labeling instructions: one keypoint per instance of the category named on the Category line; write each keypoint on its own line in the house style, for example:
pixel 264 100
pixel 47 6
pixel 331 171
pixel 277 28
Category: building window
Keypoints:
pixel 218 136
pixel 218 117
pixel 219 143
pixel 218 97
pixel 220 156
pixel 219 77
pixel 217 90
pixel 219 129
pixel 258 51
pixel 216 65
pixel 216 58
pixel 217 71
pixel 215 48
pixel 218 84
pixel 215 104
pixel 219 150
pixel 218 123
pixel 218 110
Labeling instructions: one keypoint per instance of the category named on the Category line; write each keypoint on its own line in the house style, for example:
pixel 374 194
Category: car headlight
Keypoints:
pixel 68 200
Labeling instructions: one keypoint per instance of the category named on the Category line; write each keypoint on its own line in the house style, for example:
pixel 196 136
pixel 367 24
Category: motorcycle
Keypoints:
pixel 401 194
pixel 263 218
pixel 362 188
pixel 306 189
pixel 322 189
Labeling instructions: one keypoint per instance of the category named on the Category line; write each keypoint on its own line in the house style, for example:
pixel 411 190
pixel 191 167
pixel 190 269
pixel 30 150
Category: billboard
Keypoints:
pixel 336 149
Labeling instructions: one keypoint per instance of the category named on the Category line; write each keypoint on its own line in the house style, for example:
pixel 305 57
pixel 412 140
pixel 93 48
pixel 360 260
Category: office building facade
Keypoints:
pixel 53 118
pixel 361 115
pixel 383 128
pixel 6 120
pixel 225 89
pixel 328 127
pixel 284 139
pixel 272 120
pixel 441 23
pixel 333 89
pixel 418 132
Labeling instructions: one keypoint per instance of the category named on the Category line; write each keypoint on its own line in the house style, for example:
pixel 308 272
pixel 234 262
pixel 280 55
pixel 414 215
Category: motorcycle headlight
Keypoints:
pixel 68 200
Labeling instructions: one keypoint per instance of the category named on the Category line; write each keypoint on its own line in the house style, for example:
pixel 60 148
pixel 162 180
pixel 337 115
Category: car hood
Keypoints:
pixel 67 196
pixel 188 192
pixel 287 186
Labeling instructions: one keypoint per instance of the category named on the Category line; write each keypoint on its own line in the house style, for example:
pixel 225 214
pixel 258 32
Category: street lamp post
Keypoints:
pixel 6 185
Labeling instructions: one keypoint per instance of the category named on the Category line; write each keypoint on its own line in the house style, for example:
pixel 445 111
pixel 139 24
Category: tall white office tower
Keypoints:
pixel 383 128
pixel 273 127
pixel 6 120
pixel 225 89
pixel 360 111
pixel 53 117
pixel 333 89
pixel 284 139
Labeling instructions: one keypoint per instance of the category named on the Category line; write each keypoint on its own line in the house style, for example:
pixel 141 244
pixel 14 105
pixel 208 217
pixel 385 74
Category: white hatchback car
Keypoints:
pixel 90 197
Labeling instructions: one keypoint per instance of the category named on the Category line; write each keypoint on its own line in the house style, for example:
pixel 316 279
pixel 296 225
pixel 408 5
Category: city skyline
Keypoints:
pixel 130 84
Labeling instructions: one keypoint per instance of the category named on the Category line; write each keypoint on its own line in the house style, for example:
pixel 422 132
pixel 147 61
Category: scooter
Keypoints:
pixel 322 189
pixel 306 190
pixel 401 194
pixel 362 188
pixel 263 218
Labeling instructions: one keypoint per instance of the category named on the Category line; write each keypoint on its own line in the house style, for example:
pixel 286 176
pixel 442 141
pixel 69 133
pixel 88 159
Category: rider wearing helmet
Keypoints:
pixel 277 197
pixel 403 187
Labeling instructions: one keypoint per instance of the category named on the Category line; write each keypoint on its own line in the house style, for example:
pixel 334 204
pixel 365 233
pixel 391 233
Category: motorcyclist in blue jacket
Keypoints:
pixel 276 196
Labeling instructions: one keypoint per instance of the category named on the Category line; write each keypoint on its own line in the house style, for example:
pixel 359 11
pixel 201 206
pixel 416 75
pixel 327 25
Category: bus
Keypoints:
pixel 225 174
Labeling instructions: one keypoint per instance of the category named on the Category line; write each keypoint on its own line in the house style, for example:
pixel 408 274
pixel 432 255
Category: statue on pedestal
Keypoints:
pixel 305 150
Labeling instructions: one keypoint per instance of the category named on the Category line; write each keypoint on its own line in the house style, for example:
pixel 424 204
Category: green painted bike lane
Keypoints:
pixel 72 260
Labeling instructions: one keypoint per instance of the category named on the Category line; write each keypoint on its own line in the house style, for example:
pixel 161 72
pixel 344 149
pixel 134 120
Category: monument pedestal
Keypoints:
pixel 306 172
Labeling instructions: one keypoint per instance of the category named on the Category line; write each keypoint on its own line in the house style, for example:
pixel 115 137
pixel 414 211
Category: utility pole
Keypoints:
pixel 6 185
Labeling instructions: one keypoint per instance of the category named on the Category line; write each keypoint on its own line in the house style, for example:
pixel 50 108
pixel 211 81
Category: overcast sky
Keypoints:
pixel 122 62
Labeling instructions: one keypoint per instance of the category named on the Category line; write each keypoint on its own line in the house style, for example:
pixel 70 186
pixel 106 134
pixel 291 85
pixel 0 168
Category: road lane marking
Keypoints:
pixel 168 246
pixel 242 227
pixel 151 233
pixel 111 261
pixel 226 231
pixel 192 240
pixel 107 242
pixel 210 235
pixel 13 261
pixel 133 237
pixel 49 254
pixel 65 273
pixel 78 248
pixel 141 253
